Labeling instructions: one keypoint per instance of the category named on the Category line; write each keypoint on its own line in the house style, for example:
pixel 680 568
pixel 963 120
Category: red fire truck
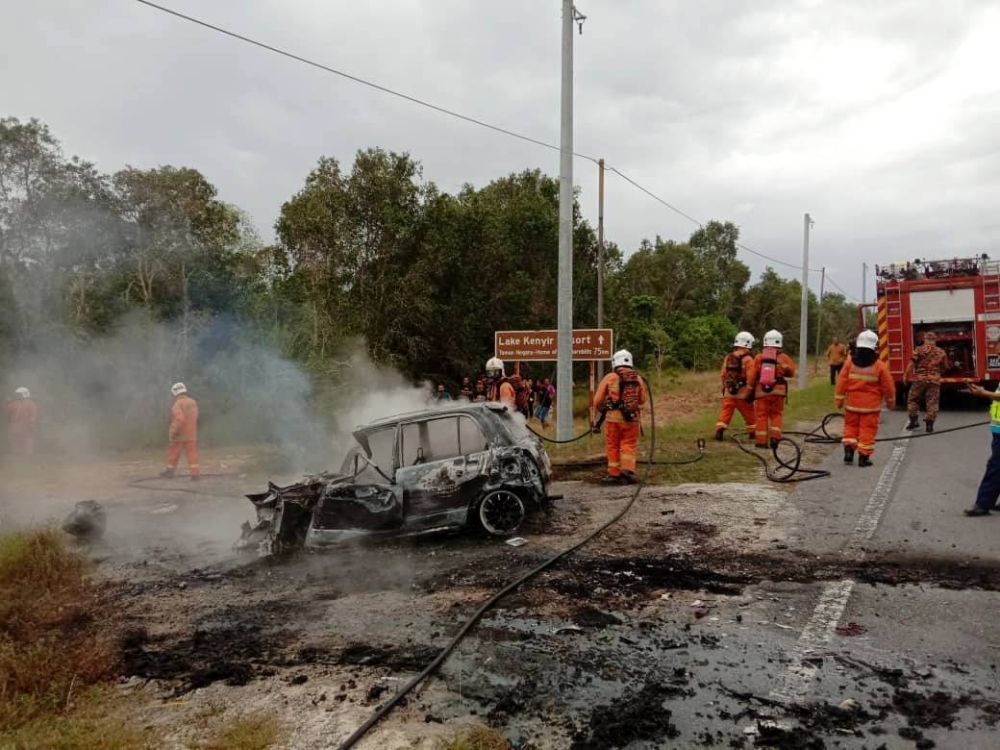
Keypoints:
pixel 957 299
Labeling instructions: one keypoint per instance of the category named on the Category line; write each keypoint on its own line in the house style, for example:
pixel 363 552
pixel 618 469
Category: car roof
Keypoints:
pixel 413 416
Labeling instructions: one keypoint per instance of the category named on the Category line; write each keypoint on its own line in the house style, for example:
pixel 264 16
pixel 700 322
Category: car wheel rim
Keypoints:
pixel 501 512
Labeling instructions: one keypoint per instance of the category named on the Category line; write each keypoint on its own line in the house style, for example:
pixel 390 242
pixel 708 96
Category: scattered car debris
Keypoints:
pixel 517 541
pixel 474 465
pixel 87 521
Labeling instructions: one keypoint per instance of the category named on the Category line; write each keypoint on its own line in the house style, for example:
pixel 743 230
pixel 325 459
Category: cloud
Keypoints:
pixel 877 118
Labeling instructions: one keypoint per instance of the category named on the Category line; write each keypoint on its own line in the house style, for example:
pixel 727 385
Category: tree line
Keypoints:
pixel 369 251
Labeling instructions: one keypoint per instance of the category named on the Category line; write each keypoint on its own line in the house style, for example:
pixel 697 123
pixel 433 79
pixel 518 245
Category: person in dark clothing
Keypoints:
pixel 545 398
pixel 989 487
pixel 466 390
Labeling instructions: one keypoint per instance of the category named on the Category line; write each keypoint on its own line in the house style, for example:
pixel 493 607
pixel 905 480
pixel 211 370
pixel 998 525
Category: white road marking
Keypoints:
pixel 796 681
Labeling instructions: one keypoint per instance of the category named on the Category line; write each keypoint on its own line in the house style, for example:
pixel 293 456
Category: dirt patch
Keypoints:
pixel 698 533
pixel 635 716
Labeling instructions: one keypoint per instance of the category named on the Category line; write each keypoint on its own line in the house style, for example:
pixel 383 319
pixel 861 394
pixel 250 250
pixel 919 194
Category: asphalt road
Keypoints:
pixel 907 508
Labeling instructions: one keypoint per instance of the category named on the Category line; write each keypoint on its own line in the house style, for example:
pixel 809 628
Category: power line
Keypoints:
pixel 356 79
pixel 690 218
pixel 840 289
pixel 442 110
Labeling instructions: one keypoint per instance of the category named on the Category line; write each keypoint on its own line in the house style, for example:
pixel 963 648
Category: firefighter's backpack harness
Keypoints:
pixel 733 379
pixel 769 376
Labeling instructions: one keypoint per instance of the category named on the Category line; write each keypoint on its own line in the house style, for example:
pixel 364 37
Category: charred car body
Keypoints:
pixel 473 465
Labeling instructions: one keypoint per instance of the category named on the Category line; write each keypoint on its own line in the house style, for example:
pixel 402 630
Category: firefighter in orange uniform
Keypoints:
pixel 498 385
pixel 864 384
pixel 738 378
pixel 21 418
pixel 773 367
pixel 619 398
pixel 183 432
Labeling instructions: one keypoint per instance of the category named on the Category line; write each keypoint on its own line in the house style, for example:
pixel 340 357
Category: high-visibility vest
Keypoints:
pixel 995 414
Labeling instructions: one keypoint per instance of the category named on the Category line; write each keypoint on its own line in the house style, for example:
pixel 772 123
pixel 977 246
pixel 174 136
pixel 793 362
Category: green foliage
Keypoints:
pixel 372 252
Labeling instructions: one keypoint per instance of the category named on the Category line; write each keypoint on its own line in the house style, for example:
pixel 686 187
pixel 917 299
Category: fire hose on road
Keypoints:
pixel 491 602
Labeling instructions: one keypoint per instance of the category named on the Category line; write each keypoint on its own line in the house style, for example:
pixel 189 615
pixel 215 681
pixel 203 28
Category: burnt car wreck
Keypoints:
pixel 469 466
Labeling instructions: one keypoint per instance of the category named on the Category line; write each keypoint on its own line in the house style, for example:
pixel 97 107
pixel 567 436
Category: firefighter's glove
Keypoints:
pixel 595 429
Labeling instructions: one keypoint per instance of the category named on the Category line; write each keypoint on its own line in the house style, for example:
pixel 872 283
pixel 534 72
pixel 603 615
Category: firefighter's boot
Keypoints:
pixel 167 473
pixel 864 460
pixel 848 454
pixel 720 433
pixel 930 424
pixel 914 422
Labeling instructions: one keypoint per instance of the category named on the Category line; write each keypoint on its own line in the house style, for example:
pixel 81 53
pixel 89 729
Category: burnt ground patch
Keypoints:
pixel 597 579
pixel 233 646
pixel 634 716
pixel 589 617
pixel 230 654
pixel 938 709
pixel 594 579
pixel 396 658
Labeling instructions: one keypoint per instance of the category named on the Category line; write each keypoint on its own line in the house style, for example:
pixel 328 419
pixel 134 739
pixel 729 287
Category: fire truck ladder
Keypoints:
pixel 894 327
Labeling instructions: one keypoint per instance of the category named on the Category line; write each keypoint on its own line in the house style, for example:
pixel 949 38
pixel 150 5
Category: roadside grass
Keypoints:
pixel 479 738
pixel 686 410
pixel 57 649
pixel 256 731
pixel 88 722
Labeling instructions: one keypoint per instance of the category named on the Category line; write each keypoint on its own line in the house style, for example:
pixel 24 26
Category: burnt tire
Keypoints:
pixel 500 512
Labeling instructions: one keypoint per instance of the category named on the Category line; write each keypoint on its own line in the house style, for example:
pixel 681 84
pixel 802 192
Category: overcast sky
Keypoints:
pixel 879 117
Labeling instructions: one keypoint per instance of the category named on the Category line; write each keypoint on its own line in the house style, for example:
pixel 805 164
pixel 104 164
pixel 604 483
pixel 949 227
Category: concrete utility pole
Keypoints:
pixel 819 315
pixel 864 283
pixel 564 346
pixel 804 315
pixel 600 254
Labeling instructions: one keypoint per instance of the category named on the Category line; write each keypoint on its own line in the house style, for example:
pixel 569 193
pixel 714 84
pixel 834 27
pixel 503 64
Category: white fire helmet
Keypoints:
pixel 622 358
pixel 867 340
pixel 494 367
pixel 773 338
pixel 178 388
pixel 22 393
pixel 744 339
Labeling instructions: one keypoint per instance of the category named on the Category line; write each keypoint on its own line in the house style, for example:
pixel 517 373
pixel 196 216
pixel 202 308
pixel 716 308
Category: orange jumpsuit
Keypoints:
pixel 184 433
pixel 860 392
pixel 508 397
pixel 621 437
pixel 741 400
pixel 504 393
pixel 21 418
pixel 769 406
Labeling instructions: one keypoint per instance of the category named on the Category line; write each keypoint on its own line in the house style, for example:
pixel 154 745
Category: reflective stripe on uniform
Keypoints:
pixel 864 410
pixel 867 378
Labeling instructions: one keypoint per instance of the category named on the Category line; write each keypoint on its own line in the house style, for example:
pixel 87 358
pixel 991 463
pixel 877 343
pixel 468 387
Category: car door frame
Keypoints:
pixel 427 503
